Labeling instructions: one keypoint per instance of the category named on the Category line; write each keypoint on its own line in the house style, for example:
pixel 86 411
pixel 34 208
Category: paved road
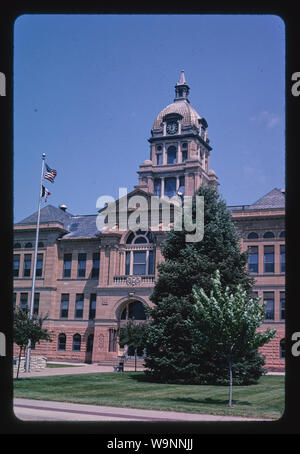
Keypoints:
pixel 39 410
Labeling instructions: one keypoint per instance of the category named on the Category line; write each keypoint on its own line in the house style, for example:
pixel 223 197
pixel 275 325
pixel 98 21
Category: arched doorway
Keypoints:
pixel 132 310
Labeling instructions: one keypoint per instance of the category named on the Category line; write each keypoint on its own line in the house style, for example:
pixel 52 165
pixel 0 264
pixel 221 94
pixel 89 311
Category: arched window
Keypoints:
pixel 40 244
pixel 282 349
pixel 28 245
pixel 139 258
pixel 172 155
pixel 61 342
pixel 133 311
pixel 252 236
pixel 282 234
pixel 76 343
pixel 268 235
pixel 17 245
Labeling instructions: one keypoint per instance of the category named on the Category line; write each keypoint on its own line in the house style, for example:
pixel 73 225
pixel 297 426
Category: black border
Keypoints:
pixel 289 423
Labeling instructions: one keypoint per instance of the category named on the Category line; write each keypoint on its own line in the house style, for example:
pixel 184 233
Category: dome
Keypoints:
pixel 183 108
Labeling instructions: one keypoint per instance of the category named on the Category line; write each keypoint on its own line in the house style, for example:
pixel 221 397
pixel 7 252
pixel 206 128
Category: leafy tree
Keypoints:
pixel 133 335
pixel 26 328
pixel 227 322
pixel 171 352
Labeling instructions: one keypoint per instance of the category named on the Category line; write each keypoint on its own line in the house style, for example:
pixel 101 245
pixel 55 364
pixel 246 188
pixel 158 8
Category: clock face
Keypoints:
pixel 172 127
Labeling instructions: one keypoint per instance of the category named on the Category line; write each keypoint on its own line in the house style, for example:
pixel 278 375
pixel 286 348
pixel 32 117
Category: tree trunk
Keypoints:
pixel 20 354
pixel 135 359
pixel 230 382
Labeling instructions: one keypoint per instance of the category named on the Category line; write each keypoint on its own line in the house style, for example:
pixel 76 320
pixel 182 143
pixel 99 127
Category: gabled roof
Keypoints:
pixel 273 199
pixel 48 214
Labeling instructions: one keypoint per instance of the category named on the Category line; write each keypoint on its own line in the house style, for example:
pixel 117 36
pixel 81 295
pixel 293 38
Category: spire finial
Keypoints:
pixel 181 78
pixel 181 88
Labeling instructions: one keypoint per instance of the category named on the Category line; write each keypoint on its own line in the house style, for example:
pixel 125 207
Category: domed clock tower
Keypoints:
pixel 179 149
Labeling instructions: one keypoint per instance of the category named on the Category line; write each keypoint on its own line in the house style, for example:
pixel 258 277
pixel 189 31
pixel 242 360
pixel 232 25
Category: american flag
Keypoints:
pixel 50 174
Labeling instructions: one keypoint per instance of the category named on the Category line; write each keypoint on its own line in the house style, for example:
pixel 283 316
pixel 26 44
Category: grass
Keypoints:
pixel 61 365
pixel 129 389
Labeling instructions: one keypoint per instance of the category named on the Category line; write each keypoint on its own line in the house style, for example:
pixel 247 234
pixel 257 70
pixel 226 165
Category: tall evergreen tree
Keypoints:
pixel 171 352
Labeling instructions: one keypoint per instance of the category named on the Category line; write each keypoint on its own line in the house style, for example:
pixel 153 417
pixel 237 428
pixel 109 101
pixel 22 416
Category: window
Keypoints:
pixel 268 235
pixel 252 236
pixel 16 265
pixel 89 344
pixel 67 265
pixel 112 344
pixel 81 265
pixel 64 305
pixel 159 159
pixel 79 305
pixel 40 244
pixel 269 259
pixel 282 305
pixel 184 155
pixel 139 261
pixel 172 155
pixel 282 234
pixel 36 303
pixel 24 301
pixel 127 262
pixel 170 187
pixel 157 187
pixel 61 345
pixel 28 245
pixel 96 265
pixel 27 265
pixel 92 309
pixel 253 259
pixel 282 349
pixel 76 343
pixel 39 265
pixel 282 258
pixel 17 245
pixel 269 305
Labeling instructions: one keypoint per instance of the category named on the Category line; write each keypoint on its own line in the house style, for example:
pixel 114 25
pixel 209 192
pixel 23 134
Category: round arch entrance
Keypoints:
pixel 132 310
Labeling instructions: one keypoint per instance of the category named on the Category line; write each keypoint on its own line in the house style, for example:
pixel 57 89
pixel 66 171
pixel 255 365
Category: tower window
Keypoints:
pixel 170 187
pixel 184 155
pixel 157 187
pixel 159 159
pixel 172 155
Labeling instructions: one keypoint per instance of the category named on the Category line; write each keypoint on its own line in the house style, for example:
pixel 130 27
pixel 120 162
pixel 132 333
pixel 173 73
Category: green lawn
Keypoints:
pixel 128 389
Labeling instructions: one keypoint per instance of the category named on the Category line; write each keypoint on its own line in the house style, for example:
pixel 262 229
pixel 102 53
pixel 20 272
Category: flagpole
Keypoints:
pixel 28 351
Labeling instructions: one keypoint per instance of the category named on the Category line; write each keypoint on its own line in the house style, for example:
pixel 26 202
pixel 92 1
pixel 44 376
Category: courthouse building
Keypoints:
pixel 90 281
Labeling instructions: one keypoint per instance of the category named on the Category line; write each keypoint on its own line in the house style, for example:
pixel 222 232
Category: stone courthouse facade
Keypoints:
pixel 90 282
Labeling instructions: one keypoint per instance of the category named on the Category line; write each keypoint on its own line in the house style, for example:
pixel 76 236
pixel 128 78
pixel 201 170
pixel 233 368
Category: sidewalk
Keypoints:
pixel 39 410
pixel 83 368
pixel 76 368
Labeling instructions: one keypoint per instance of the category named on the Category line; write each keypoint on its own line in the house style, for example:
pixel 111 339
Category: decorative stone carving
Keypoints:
pixel 133 280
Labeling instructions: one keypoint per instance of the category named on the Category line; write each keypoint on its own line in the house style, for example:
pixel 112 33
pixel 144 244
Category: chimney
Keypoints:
pixel 63 207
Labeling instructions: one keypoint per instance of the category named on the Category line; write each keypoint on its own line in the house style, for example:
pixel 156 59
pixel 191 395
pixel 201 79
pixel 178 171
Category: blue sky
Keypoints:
pixel 87 89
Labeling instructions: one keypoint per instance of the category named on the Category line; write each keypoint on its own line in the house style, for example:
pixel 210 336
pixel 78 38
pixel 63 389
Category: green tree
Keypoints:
pixel 133 335
pixel 26 328
pixel 228 323
pixel 171 354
